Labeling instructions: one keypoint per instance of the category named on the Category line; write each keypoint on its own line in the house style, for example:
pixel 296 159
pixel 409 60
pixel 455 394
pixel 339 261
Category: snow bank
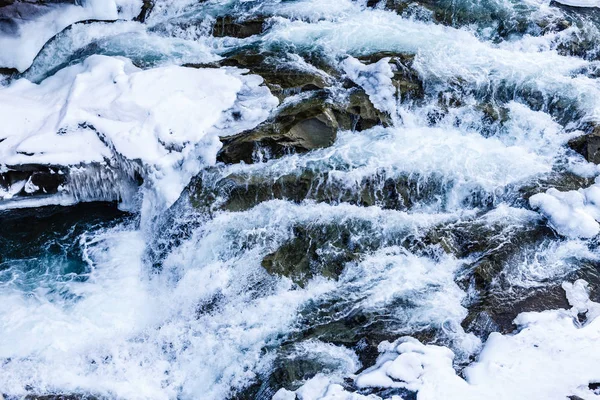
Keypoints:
pixel 19 49
pixel 552 356
pixel 573 213
pixel 106 108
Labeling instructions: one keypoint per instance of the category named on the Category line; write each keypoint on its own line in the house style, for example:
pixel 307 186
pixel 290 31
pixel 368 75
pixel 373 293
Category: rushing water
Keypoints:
pixel 287 273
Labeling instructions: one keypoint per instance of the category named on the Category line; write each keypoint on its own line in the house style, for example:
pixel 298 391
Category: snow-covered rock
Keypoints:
pixel 168 120
pixel 551 356
pixel 574 213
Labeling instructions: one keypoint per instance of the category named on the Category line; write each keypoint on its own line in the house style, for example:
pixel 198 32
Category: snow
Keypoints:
pixel 19 50
pixel 572 213
pixel 106 108
pixel 321 387
pixel 551 356
pixel 376 80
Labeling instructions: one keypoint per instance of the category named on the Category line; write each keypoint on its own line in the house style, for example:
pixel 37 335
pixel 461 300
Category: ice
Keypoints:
pixel 19 50
pixel 105 108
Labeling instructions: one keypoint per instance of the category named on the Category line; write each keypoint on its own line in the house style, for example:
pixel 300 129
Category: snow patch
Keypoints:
pixel 551 356
pixel 376 80
pixel 573 213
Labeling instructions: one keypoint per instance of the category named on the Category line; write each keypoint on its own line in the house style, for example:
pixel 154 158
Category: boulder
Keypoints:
pixel 588 145
pixel 314 251
pixel 299 127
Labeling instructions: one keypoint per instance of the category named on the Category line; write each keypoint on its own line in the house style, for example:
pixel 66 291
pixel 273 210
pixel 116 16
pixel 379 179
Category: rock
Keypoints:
pixel 29 179
pixel 321 250
pixel 283 78
pixel 300 127
pixel 147 7
pixel 588 145
pixel 358 113
pixel 236 27
pixel 496 311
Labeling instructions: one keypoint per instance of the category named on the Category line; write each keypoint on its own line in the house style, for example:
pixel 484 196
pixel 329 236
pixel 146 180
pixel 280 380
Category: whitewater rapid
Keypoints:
pixel 448 251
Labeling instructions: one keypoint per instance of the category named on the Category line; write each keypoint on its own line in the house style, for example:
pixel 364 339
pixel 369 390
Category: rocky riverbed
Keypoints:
pixel 302 199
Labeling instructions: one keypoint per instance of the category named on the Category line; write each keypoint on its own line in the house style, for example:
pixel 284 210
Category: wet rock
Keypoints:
pixel 496 310
pixel 283 77
pixel 588 145
pixel 236 27
pixel 297 128
pixel 321 250
pixel 29 179
pixel 358 113
pixel 147 7
pixel 458 14
pixel 563 181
